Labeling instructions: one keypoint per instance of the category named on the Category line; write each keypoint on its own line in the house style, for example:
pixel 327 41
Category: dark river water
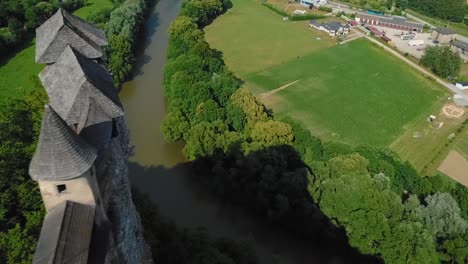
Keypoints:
pixel 159 169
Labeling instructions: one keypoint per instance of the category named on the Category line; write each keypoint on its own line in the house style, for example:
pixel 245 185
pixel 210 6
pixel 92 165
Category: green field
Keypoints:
pixel 355 93
pixel 16 73
pixel 252 38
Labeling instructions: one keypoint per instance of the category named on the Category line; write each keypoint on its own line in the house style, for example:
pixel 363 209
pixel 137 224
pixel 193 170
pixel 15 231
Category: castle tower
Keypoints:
pixel 63 164
pixel 80 90
pixel 63 29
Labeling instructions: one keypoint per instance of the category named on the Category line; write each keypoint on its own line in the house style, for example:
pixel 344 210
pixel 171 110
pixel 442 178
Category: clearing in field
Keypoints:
pixel 355 93
pixel 456 167
pixel 253 38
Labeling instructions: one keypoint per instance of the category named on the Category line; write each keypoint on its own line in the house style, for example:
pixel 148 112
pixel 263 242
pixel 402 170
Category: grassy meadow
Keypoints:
pixel 354 93
pixel 350 93
pixel 253 38
pixel 16 72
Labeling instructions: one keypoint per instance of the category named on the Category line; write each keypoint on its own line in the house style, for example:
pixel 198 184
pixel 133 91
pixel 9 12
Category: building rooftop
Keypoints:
pixel 460 44
pixel 80 90
pixel 64 29
pixel 444 31
pixel 65 234
pixel 60 153
pixel 398 20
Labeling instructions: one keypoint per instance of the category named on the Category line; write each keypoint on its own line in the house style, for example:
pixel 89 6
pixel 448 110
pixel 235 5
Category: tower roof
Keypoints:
pixel 79 88
pixel 66 234
pixel 64 29
pixel 60 153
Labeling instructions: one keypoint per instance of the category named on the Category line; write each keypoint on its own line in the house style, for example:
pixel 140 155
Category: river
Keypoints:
pixel 159 169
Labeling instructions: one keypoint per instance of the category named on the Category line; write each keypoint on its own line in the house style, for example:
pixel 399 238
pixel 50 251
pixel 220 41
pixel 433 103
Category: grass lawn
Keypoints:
pixel 462 144
pixel 16 73
pixel 355 93
pixel 93 6
pixel 252 38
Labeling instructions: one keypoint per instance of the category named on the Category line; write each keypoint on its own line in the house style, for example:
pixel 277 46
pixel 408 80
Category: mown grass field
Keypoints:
pixel 253 38
pixel 16 73
pixel 355 93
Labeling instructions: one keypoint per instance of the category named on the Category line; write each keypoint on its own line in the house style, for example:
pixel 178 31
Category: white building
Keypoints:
pixel 313 2
pixel 332 28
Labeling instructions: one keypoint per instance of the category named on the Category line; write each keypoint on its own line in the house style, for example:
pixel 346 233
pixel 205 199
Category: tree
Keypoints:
pixel 401 4
pixel 442 61
pixel 120 59
pixel 348 165
pixel 174 126
pixel 442 215
pixel 272 133
pixel 202 11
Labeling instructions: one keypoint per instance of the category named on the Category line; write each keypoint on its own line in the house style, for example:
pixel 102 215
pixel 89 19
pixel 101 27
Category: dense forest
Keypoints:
pixel 293 179
pixel 18 18
pixel 451 10
pixel 21 209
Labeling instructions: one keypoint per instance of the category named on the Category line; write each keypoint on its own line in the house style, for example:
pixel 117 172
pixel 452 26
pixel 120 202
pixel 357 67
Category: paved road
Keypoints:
pixel 449 86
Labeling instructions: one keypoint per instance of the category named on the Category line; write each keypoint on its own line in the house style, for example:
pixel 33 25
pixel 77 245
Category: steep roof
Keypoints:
pixel 66 234
pixel 460 44
pixel 64 29
pixel 397 20
pixel 444 31
pixel 80 90
pixel 60 153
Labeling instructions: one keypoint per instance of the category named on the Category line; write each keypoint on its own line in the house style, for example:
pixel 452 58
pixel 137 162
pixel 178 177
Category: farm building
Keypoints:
pixel 460 47
pixel 332 28
pixel 313 2
pixel 460 100
pixel 462 86
pixel 395 22
pixel 443 35
pixel 375 31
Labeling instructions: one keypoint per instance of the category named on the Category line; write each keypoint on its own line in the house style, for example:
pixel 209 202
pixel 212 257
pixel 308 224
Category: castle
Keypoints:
pixel 80 163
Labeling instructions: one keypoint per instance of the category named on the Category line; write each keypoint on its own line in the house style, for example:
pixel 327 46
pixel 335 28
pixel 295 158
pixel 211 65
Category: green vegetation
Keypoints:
pixel 266 39
pixel 19 18
pixel 460 28
pixel 21 209
pixel 349 93
pixel 291 178
pixel 93 6
pixel 16 73
pixel 442 61
pixel 451 10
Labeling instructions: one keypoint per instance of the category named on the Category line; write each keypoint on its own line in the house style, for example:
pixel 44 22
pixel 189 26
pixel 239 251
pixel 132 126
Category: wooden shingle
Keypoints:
pixel 65 235
pixel 60 153
pixel 64 29
pixel 80 90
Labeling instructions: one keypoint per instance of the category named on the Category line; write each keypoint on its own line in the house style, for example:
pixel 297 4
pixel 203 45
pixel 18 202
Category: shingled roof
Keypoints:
pixel 80 90
pixel 64 29
pixel 66 234
pixel 60 153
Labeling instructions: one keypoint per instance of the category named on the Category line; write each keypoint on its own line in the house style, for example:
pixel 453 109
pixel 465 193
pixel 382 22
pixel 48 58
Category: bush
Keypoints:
pixel 325 9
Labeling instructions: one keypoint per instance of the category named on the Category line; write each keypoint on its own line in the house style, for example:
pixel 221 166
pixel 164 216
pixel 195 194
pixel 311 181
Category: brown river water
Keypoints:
pixel 160 170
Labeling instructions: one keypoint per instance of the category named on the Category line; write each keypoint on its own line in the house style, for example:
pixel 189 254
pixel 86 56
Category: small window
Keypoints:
pixel 61 188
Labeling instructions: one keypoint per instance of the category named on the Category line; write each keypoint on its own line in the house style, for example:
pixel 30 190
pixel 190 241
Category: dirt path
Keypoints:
pixel 265 95
pixel 352 37
pixel 456 167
